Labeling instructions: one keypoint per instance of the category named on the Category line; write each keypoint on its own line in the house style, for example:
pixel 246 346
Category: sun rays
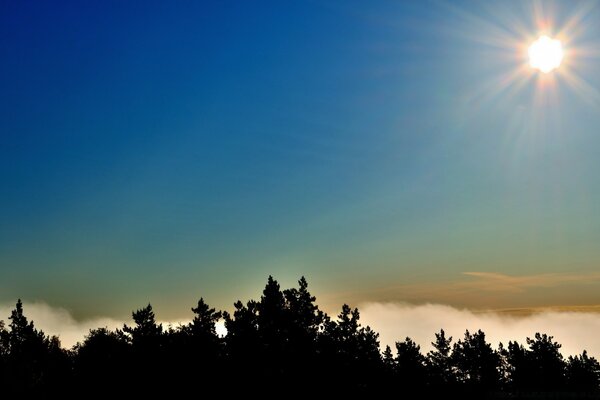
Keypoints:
pixel 508 37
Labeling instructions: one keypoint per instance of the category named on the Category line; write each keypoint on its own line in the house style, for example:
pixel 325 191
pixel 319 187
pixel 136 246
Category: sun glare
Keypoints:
pixel 545 54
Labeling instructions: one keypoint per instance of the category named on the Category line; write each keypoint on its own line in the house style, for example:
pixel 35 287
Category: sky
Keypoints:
pixel 388 151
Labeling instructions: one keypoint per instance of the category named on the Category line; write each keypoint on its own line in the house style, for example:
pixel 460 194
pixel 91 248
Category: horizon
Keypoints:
pixel 573 327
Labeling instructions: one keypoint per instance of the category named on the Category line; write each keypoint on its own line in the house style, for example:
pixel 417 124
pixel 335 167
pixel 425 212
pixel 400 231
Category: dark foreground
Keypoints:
pixel 282 346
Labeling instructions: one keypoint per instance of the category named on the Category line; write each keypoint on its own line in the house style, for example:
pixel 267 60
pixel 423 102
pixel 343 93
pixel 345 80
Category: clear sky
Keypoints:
pixel 163 151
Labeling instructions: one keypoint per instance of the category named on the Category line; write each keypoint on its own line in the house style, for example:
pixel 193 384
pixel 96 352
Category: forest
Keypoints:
pixel 282 345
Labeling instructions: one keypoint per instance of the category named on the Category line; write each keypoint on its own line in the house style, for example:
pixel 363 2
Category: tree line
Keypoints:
pixel 281 345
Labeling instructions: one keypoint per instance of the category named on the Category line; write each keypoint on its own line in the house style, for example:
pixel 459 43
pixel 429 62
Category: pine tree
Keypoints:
pixel 439 360
pixel 410 365
pixel 205 320
pixel 477 364
pixel 583 373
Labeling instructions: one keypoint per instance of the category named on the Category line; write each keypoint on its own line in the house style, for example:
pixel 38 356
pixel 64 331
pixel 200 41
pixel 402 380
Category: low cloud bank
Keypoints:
pixel 576 331
pixel 59 322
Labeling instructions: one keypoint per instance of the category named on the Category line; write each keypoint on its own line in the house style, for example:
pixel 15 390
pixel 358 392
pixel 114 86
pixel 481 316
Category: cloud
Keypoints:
pixel 489 290
pixel 575 330
pixel 489 281
pixel 59 322
pixel 494 282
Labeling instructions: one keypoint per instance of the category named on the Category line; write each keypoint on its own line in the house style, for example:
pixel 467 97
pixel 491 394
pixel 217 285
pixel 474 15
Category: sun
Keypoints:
pixel 545 54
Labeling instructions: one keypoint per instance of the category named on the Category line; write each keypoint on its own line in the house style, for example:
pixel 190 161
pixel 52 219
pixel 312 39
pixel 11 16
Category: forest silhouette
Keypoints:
pixel 282 345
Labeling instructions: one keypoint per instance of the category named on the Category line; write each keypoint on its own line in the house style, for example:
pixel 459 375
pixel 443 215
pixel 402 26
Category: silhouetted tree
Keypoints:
pixel 102 361
pixel 476 363
pixel 146 331
pixel 388 359
pixel 439 362
pixel 194 351
pixel 276 338
pixel 59 368
pixel 34 363
pixel 204 323
pixel 243 347
pixel 26 348
pixel 518 367
pixel 146 338
pixel 273 326
pixel 410 365
pixel 504 368
pixel 281 345
pixel 545 364
pixel 540 368
pixel 4 351
pixel 350 351
pixel 583 373
pixel 303 323
pixel 304 314
pixel 206 344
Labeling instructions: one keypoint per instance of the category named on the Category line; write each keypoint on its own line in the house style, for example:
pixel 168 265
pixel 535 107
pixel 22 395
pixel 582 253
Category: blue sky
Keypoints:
pixel 162 152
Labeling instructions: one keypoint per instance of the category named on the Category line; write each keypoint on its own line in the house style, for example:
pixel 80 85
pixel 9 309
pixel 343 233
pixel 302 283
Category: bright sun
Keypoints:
pixel 545 54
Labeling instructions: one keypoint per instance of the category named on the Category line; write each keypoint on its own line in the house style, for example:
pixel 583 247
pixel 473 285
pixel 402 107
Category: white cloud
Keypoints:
pixel 576 331
pixel 58 321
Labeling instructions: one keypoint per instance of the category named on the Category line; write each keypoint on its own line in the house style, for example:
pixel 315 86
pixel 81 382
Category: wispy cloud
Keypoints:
pixel 489 281
pixel 478 290
pixel 495 282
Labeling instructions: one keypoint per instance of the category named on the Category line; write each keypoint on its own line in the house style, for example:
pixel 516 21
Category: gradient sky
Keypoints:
pixel 153 151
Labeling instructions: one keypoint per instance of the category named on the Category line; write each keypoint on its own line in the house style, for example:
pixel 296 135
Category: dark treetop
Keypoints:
pixel 281 344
